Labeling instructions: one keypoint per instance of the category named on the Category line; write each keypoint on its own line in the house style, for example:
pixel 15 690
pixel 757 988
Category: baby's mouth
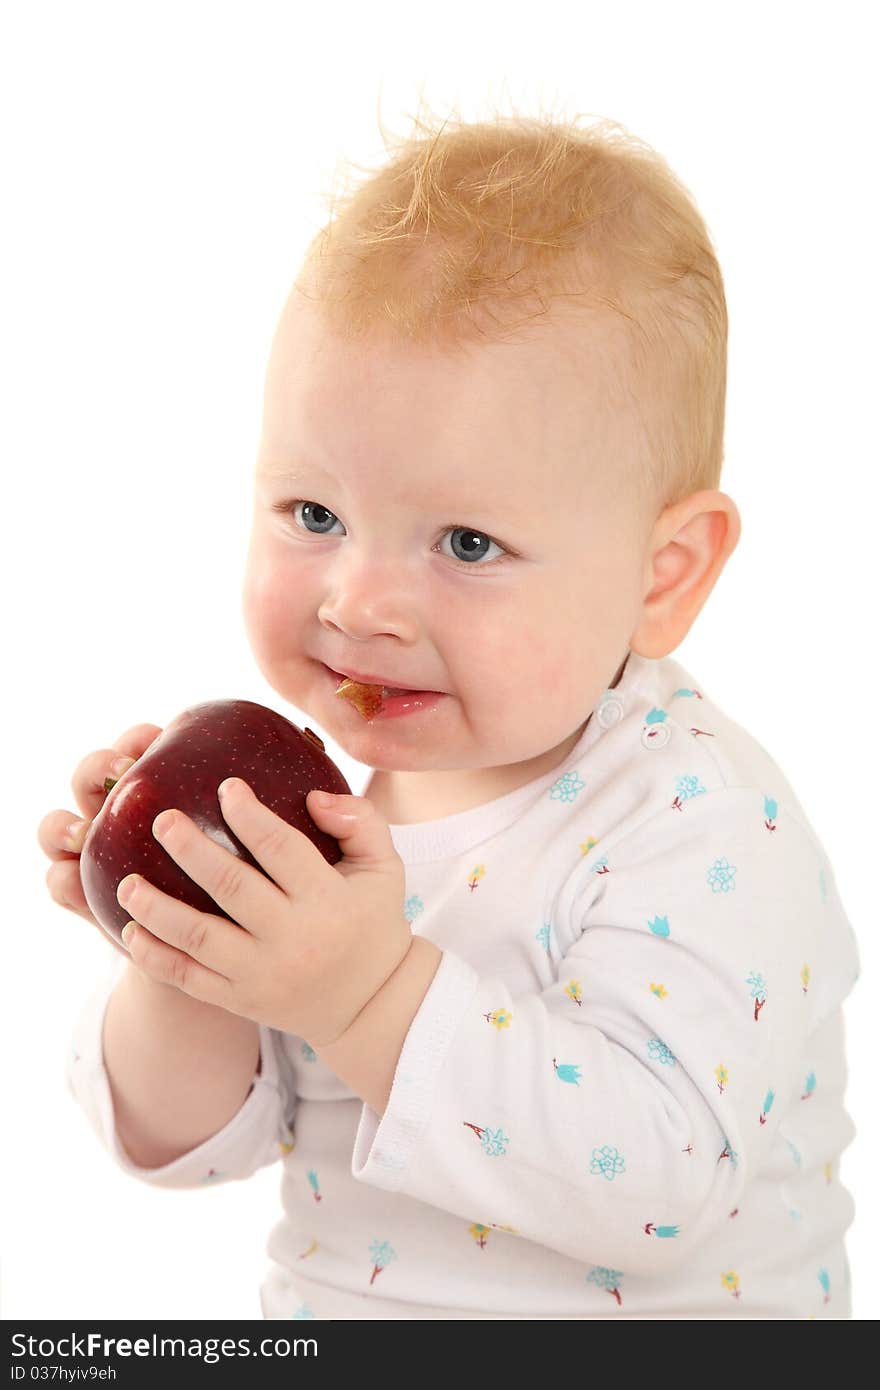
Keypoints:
pixel 386 690
pixel 382 701
pixel 368 700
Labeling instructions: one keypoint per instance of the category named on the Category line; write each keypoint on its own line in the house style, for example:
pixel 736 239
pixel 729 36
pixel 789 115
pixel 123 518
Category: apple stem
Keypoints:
pixel 110 783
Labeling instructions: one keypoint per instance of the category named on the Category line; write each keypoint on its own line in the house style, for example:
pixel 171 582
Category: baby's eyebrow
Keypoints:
pixel 503 514
pixel 285 473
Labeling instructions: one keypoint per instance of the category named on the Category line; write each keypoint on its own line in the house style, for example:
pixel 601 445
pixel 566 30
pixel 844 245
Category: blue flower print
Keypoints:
pixel 381 1254
pixel 770 809
pixel 543 935
pixel 826 1283
pixel 660 926
pixel 720 876
pixel 493 1141
pixel 608 1279
pixel 303 1311
pixel 308 1052
pixel 607 1162
pixel 809 1086
pixel 688 786
pixel 600 866
pixel 656 716
pixel 768 1106
pixel 660 1052
pixel 412 907
pixel 567 787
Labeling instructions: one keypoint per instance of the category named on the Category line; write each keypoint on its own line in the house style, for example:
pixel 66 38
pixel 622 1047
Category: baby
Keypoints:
pixel 596 1065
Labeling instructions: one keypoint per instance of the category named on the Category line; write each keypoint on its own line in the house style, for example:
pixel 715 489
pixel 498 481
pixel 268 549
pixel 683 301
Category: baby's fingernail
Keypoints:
pixel 120 765
pixel 74 836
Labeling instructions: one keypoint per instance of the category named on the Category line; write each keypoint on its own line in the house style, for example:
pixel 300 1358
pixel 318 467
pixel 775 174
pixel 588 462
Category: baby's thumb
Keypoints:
pixel 358 825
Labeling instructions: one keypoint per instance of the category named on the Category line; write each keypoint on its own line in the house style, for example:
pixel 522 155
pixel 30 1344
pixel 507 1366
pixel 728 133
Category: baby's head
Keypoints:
pixel 492 438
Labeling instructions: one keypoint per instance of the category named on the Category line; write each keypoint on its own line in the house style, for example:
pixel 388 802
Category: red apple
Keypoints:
pixel 182 769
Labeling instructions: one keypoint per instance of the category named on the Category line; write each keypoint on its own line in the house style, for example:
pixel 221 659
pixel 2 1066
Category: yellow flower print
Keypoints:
pixel 500 1017
pixel 588 844
pixel 805 978
pixel 479 1233
pixel 731 1282
pixel 721 1076
pixel 476 875
pixel 659 990
pixel 287 1148
pixel 573 990
pixel 827 1170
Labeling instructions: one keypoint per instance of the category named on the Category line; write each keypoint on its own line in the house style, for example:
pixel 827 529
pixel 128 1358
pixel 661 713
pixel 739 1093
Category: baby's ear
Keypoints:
pixel 691 543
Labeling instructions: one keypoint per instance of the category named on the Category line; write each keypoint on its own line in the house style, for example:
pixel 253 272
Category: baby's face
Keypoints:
pixel 451 524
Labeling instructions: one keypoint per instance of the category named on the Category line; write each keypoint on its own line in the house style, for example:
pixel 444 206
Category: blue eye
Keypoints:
pixel 313 511
pixel 469 547
pixel 472 545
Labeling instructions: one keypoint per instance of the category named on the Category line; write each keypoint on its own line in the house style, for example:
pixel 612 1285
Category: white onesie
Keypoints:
pixel 623 1094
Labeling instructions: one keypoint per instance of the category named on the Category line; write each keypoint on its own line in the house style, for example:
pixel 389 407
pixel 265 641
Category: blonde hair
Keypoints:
pixel 471 230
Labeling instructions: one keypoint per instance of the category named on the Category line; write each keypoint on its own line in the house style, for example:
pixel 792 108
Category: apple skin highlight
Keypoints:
pixel 181 770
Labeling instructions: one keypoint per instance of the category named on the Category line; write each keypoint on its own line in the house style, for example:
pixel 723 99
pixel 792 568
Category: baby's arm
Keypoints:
pixel 617 1115
pixel 180 1093
pixel 178 1069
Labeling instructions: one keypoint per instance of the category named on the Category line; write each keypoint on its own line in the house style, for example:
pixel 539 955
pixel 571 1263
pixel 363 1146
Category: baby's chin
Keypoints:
pixel 380 747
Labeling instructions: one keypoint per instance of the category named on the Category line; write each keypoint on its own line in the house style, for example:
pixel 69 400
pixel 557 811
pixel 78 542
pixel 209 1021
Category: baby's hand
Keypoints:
pixel 61 833
pixel 304 945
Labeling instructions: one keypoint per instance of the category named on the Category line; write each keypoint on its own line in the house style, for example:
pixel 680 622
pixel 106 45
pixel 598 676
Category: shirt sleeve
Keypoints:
pixel 254 1137
pixel 616 1116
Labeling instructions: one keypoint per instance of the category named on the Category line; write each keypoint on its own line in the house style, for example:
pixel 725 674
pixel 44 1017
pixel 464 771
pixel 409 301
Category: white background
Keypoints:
pixel 163 171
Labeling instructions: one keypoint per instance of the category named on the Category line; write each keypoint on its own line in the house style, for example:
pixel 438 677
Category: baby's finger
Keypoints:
pixel 60 834
pixel 91 774
pixel 65 888
pixel 96 773
pixel 136 740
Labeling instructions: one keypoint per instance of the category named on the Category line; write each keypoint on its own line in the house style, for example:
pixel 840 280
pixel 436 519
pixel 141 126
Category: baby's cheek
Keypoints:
pixel 266 610
pixel 536 662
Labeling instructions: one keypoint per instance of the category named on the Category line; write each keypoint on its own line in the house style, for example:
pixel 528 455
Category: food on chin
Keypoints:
pixel 182 769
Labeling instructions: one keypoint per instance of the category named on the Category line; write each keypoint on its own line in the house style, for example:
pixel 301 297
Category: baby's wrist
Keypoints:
pixel 365 1056
pixel 159 996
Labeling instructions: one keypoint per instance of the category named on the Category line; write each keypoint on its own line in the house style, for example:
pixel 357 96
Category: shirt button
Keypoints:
pixel 609 710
